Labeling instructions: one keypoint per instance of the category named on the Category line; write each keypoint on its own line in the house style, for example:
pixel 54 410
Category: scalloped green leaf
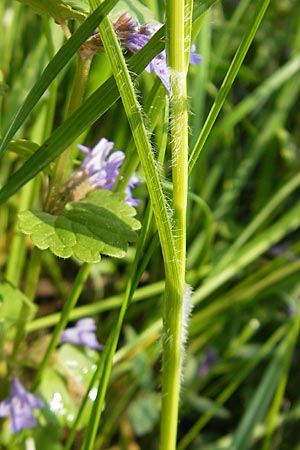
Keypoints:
pixel 57 9
pixel 65 382
pixel 79 5
pixel 102 223
pixel 143 413
pixel 63 395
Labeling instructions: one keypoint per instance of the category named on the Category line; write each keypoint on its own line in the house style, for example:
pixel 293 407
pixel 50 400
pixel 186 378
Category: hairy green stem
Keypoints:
pixel 173 334
pixel 18 248
pixel 140 134
pixel 54 86
pixel 139 131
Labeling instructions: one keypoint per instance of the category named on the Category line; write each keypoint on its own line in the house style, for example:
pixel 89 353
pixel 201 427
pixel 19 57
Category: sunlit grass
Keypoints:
pixel 240 373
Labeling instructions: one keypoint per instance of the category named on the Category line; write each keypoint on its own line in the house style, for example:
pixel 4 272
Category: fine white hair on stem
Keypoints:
pixel 187 307
pixel 178 83
pixel 178 101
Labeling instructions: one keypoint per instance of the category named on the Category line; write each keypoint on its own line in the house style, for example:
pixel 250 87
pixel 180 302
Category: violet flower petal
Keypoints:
pixel 19 405
pixel 135 42
pixel 131 184
pixel 210 359
pixel 136 39
pixel 160 68
pixel 4 408
pixel 102 171
pixel 102 167
pixel 195 58
pixel 83 333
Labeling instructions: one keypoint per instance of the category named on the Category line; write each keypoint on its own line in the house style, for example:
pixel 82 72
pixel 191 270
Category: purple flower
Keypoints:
pixel 136 37
pixel 84 333
pixel 101 167
pixel 160 68
pixel 195 58
pixel 19 405
pixel 279 249
pixel 132 183
pixel 210 359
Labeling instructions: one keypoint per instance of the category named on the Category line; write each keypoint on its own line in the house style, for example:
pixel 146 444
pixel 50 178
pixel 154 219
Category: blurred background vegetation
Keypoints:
pixel 241 373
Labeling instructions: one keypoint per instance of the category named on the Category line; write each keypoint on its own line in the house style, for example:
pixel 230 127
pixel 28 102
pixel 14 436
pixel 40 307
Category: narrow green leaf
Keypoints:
pixel 3 88
pixel 93 108
pixel 59 61
pixel 200 7
pixel 11 302
pixel 23 148
pixel 260 401
pixel 233 70
pixel 252 250
pixel 257 98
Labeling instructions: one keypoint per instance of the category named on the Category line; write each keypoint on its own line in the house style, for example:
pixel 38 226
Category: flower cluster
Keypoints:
pixel 19 405
pixel 101 166
pixel 99 170
pixel 83 333
pixel 134 36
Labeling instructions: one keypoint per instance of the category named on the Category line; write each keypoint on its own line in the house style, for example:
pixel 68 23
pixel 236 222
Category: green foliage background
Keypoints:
pixel 242 236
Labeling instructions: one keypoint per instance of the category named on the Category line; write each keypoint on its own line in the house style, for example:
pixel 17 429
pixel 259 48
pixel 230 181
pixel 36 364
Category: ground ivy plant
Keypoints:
pixel 118 187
